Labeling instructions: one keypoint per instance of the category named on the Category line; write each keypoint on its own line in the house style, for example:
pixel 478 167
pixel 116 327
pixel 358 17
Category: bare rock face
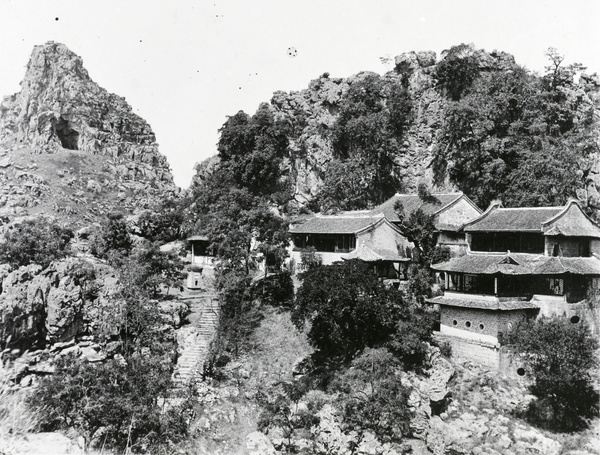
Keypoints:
pixel 317 108
pixel 98 145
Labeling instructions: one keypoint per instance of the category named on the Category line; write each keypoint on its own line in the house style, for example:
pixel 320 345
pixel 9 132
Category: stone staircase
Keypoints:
pixel 194 338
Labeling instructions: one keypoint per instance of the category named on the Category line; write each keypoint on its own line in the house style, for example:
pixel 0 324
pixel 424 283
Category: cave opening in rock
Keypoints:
pixel 69 137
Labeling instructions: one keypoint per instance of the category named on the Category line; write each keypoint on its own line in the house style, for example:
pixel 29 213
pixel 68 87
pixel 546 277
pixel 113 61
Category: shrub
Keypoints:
pixel 120 397
pixel 458 70
pixel 275 290
pixel 16 419
pixel 559 357
pixel 113 238
pixel 35 241
pixel 373 398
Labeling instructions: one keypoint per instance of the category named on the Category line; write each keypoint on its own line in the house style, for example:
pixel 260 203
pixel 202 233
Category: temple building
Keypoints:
pixel 373 235
pixel 358 233
pixel 201 260
pixel 521 263
pixel 450 210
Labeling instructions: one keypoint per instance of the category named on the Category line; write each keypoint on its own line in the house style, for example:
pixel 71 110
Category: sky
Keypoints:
pixel 184 65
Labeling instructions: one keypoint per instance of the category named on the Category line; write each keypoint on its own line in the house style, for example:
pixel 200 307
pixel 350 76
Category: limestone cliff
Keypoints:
pixel 313 112
pixel 68 147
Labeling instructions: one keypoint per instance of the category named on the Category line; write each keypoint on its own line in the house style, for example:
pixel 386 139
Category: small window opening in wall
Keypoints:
pixel 575 319
pixel 455 322
pixel 468 324
pixel 481 327
pixel 521 371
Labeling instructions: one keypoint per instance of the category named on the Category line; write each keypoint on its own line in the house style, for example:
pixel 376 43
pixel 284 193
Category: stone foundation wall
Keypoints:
pixel 489 355
pixel 476 351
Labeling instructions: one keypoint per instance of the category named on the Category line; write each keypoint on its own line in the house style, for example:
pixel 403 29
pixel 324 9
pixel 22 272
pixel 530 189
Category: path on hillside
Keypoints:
pixel 194 338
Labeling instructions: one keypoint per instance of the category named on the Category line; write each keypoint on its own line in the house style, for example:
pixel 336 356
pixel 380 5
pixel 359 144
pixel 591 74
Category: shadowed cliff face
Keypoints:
pixel 65 139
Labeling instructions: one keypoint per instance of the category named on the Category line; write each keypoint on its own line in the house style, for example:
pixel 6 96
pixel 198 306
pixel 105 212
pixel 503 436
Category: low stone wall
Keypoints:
pixel 484 353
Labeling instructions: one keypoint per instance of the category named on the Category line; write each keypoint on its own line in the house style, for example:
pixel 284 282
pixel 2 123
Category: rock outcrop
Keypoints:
pixel 69 147
pixel 313 112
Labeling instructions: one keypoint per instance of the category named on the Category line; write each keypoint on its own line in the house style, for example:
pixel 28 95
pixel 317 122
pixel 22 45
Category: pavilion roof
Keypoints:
pixel 484 304
pixel 367 254
pixel 520 264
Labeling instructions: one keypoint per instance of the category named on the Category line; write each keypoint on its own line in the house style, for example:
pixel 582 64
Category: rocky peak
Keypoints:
pixel 60 110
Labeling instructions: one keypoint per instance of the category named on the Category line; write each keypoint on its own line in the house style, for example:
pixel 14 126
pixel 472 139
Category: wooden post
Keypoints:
pixel 496 286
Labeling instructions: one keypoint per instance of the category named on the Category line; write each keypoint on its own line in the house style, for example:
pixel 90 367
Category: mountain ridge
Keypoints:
pixel 69 147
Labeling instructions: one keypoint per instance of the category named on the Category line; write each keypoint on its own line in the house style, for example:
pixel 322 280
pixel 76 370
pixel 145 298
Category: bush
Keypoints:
pixel 458 70
pixel 559 357
pixel 16 419
pixel 163 224
pixel 123 398
pixel 349 309
pixel 113 238
pixel 35 242
pixel 276 290
pixel 373 398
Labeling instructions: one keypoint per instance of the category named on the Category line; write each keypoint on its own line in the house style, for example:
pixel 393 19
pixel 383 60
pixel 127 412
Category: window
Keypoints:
pixel 455 322
pixel 481 327
pixel 521 371
pixel 468 324
pixel 575 319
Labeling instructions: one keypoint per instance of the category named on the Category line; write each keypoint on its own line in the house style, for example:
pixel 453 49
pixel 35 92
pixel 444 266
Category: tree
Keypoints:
pixel 457 70
pixel 419 228
pixel 349 309
pixel 148 269
pixel 372 397
pixel 512 127
pixel 252 148
pixel 120 397
pixel 113 238
pixel 372 121
pixel 162 223
pixel 560 357
pixel 38 241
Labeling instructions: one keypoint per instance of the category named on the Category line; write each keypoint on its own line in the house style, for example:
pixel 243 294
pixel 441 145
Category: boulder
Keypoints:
pixel 258 443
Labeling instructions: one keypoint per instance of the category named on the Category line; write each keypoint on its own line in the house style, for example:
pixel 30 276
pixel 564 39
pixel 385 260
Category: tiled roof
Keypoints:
pixel 484 304
pixel 520 264
pixel 197 238
pixel 335 224
pixel 366 254
pixel 412 202
pixel 528 219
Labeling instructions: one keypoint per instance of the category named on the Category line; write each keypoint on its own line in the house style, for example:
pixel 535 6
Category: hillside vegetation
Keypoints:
pixel 472 120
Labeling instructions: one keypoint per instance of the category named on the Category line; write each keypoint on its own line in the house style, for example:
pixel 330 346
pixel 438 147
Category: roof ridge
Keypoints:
pixel 555 207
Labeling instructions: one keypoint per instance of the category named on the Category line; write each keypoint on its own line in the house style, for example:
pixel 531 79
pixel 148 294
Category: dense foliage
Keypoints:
pixel 372 397
pixel 35 242
pixel 560 357
pixel 348 309
pixel 126 402
pixel 121 399
pixel 233 202
pixel 513 135
pixel 113 239
pixel 252 150
pixel 373 117
pixel 163 222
